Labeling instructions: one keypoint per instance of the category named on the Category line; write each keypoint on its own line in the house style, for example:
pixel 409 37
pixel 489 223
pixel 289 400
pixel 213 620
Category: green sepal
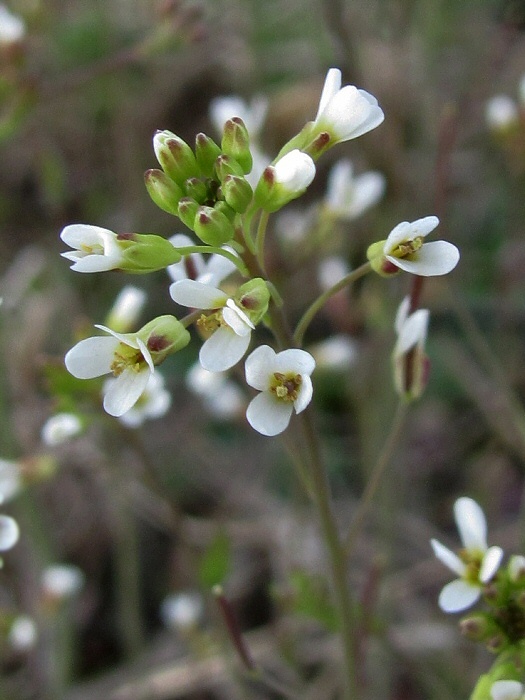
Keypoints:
pixel 253 298
pixel 143 253
pixel 164 336
pixel 163 190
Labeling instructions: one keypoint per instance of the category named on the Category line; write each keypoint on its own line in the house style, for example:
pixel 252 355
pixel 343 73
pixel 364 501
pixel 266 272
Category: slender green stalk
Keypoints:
pixel 318 304
pixel 261 237
pixel 376 475
pixel 208 249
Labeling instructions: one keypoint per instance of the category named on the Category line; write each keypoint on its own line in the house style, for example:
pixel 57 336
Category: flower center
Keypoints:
pixel 407 248
pixel 126 357
pixel 209 324
pixel 473 561
pixel 286 386
pixel 95 249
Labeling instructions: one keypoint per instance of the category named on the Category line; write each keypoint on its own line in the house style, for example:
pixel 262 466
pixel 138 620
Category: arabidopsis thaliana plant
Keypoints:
pixel 154 402
pixel 96 248
pixel 284 382
pixel 404 249
pixel 211 270
pixel 345 112
pixel 229 325
pixel 349 196
pixel 60 428
pixel 507 690
pixel 123 354
pixel 476 564
pixel 409 358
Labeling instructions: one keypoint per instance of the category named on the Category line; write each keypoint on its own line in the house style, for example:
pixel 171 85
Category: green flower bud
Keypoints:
pixel 162 190
pixel 237 193
pixel 175 156
pixel 196 189
pixel 236 143
pixel 477 627
pixel 163 336
pixel 187 211
pixel 145 252
pixel 212 226
pixel 206 153
pixel 226 165
pixel 284 181
pixel 225 209
pixel 253 298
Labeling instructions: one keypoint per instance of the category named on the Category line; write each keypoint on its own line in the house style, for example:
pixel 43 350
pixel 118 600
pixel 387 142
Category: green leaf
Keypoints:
pixel 215 563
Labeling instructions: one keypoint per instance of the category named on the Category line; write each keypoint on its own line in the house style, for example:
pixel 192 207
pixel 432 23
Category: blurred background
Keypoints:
pixel 143 522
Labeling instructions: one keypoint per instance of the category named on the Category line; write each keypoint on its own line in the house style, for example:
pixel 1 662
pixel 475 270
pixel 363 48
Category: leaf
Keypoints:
pixel 215 563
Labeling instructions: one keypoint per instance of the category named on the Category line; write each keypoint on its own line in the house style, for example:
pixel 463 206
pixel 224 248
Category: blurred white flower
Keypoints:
pixel 338 353
pixel 477 564
pixel 332 270
pixel 182 611
pixel 516 568
pixel 9 533
pixel 126 309
pixel 221 396
pixel 507 690
pixel 348 196
pixel 61 581
pixel 410 362
pixel 501 113
pixel 12 27
pixel 211 270
pixel 23 633
pixel 61 428
pixel 253 113
pixel 10 480
pixel 154 402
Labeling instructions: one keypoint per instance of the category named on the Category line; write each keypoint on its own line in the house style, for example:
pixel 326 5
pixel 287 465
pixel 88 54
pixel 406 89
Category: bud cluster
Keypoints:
pixel 205 187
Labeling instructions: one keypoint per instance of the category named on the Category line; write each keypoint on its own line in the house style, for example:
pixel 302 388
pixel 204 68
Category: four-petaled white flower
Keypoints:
pixel 229 325
pixel 507 690
pixel 349 196
pixel 284 382
pixel 409 358
pixel 345 112
pixel 476 564
pixel 404 249
pixel 123 354
pixel 212 270
pixel 96 248
pixel 154 402
pixel 60 428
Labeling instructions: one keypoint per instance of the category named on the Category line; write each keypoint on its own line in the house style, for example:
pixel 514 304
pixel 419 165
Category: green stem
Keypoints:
pixel 261 237
pixel 318 304
pixel 376 475
pixel 214 250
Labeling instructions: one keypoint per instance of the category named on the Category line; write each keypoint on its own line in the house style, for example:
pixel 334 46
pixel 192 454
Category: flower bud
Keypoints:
pixel 143 252
pixel 163 336
pixel 236 143
pixel 175 156
pixel 225 209
pixel 206 153
pixel 476 627
pixel 253 297
pixel 196 189
pixel 212 226
pixel 516 568
pixel 162 190
pixel 410 362
pixel 226 165
pixel 284 181
pixel 237 193
pixel 187 211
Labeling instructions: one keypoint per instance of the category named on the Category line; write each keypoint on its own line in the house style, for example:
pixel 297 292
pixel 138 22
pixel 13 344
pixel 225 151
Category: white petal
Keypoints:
pixel 432 259
pixel 10 480
pixel 259 367
pixel 402 314
pixel 126 338
pixel 146 354
pixel 223 349
pixel 294 171
pixel 236 318
pixel 458 595
pixel 197 295
pixel 294 360
pixel 78 235
pixel 9 532
pixel 125 391
pixel 304 395
pixel 217 269
pixel 490 564
pixel 91 357
pixel 332 85
pixel 193 263
pixel 471 524
pixel 408 230
pixel 268 415
pixel 413 332
pixel 368 189
pixel 93 263
pixel 507 690
pixel 448 558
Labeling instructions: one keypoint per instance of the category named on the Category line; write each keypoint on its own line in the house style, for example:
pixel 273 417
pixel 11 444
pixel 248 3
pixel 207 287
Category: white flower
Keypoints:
pixel 336 353
pixel 345 112
pixel 507 690
pixel 60 428
pixel 220 395
pixel 23 633
pixel 477 563
pixel 284 382
pixel 212 270
pixel 154 402
pixel 294 171
pixel 125 355
pixel 347 197
pixel 332 270
pixel 126 309
pixel 96 249
pixel 516 568
pixel 501 113
pixel 9 533
pixel 10 480
pixel 404 248
pixel 230 326
pixel 253 114
pixel 182 611
pixel 409 359
pixel 12 27
pixel 62 580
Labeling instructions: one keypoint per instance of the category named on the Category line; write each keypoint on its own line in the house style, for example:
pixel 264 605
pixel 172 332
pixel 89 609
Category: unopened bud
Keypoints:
pixel 163 336
pixel 475 627
pixel 206 153
pixel 226 165
pixel 212 226
pixel 496 643
pixel 162 190
pixel 237 193
pixel 284 181
pixel 236 143
pixel 196 189
pixel 146 252
pixel 187 211
pixel 253 298
pixel 175 156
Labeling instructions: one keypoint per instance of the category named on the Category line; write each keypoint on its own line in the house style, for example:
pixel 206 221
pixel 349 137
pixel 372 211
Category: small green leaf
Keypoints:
pixel 215 563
